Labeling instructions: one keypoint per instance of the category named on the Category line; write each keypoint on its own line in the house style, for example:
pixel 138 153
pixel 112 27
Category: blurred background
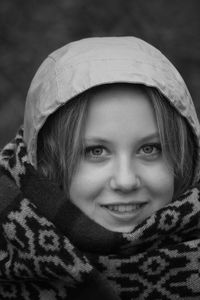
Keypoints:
pixel 31 29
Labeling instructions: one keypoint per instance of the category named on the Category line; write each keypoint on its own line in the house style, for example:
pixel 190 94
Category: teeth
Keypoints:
pixel 124 208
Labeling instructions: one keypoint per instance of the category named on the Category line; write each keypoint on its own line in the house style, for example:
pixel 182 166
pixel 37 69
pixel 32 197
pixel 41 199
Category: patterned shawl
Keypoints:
pixel 49 250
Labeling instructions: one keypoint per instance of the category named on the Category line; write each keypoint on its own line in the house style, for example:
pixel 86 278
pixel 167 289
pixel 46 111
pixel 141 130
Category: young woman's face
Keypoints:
pixel 122 177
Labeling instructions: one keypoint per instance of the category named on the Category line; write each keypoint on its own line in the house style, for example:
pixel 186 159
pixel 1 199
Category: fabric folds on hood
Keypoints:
pixel 90 62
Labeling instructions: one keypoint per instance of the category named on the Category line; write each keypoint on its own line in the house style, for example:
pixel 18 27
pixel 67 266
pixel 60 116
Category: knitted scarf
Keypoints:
pixel 50 250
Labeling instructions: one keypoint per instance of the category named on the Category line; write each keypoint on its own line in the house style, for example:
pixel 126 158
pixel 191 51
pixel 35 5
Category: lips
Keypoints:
pixel 124 208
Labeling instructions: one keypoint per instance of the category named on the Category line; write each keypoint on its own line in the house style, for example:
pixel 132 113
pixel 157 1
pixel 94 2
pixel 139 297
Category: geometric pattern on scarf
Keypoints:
pixel 35 249
pixel 163 258
pixel 159 259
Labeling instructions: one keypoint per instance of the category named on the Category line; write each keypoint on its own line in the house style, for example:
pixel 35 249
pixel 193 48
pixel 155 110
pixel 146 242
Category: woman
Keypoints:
pixel 99 196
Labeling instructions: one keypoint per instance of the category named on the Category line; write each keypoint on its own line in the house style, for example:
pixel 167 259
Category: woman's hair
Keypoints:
pixel 177 141
pixel 60 143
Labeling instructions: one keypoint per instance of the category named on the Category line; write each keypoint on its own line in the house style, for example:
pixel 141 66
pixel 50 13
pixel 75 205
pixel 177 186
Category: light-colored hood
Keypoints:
pixel 90 62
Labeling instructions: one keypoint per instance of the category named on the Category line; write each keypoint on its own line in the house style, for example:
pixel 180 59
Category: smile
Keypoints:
pixel 124 211
pixel 121 208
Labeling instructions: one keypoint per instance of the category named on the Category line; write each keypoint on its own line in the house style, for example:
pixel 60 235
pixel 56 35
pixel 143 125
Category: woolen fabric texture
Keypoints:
pixel 50 250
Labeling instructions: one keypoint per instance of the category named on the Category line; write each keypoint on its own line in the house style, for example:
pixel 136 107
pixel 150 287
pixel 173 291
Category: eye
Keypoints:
pixel 95 152
pixel 150 149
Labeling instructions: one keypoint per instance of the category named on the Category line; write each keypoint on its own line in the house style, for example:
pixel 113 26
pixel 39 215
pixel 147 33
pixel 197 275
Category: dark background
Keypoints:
pixel 31 29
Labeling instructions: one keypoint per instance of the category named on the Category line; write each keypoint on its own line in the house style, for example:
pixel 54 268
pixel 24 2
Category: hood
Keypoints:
pixel 90 62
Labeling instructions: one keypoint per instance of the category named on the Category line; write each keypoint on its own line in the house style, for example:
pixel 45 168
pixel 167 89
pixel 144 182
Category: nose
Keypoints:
pixel 125 177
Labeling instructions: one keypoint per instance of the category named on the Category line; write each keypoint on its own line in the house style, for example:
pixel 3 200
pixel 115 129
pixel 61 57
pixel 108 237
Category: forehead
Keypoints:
pixel 119 109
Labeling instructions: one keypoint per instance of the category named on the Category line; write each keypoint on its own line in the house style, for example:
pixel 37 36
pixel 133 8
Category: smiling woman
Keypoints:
pixel 59 158
pixel 123 178
pixel 103 179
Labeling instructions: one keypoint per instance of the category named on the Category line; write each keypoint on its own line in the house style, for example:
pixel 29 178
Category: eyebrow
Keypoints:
pixel 151 136
pixel 96 140
pixel 148 137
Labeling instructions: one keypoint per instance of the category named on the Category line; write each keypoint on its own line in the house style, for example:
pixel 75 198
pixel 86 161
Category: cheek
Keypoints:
pixel 161 182
pixel 87 183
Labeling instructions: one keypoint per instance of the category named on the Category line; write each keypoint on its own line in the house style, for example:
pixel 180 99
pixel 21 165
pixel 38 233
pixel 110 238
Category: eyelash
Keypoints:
pixel 156 146
pixel 89 149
